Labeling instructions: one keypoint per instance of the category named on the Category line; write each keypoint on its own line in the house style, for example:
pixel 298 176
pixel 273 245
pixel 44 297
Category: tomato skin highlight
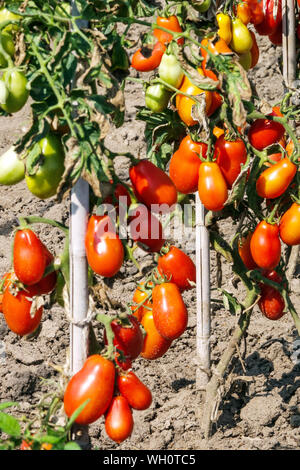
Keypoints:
pixel 94 381
pixel 155 345
pixel 144 63
pixel 265 245
pixel 230 155
pixel 289 225
pixel 118 420
pixel 152 185
pixel 178 267
pixel 170 23
pixel 16 83
pixel 169 311
pixel 28 257
pixel 264 132
pixel 212 187
pixel 134 390
pixel 274 181
pixel 185 163
pixel 104 249
pixel 16 311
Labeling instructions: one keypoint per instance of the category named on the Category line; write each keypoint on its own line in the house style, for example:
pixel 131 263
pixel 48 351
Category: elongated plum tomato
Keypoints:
pixel 12 169
pixel 147 59
pixel 274 181
pixel 136 393
pixel 170 70
pixel 20 314
pixel 138 297
pixel 271 302
pixel 43 181
pixel 146 229
pixel 243 11
pixel 28 257
pixel 169 311
pixel 225 30
pixel 155 345
pixel 128 336
pixel 264 132
pixel 171 23
pixel 269 24
pixel 152 185
pixel 184 104
pixel 265 245
pixel 95 382
pixel 230 155
pixel 178 267
pixel 212 187
pixel 6 15
pixel 185 163
pixel 245 252
pixel 118 420
pixel 289 225
pixel 16 83
pixel 241 38
pixel 104 249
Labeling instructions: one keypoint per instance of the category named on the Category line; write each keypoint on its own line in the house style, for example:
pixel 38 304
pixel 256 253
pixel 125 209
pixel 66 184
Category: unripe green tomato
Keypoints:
pixel 16 83
pixel 45 181
pixel 9 47
pixel 170 70
pixel 245 60
pixel 3 93
pixel 12 169
pixel 241 41
pixel 157 97
pixel 6 15
pixel 203 7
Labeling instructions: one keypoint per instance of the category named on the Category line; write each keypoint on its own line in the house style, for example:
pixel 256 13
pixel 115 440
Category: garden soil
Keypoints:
pixel 260 406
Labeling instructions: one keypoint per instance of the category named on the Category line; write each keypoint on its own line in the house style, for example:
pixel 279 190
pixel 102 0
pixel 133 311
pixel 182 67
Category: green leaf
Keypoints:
pixel 75 414
pixel 9 425
pixel 7 404
pixel 231 303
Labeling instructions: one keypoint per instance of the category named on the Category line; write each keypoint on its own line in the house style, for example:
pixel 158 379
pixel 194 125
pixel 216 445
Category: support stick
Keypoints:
pixel 203 296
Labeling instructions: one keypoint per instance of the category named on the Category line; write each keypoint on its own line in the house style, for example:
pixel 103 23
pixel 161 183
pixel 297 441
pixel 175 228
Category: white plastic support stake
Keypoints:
pixel 289 41
pixel 203 296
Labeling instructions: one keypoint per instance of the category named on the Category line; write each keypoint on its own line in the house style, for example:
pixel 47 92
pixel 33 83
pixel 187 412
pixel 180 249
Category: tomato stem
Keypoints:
pixel 106 321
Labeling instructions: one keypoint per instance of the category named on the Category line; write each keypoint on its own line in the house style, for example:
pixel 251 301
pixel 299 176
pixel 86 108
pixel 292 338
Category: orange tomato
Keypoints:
pixel 289 225
pixel 274 181
pixel 155 345
pixel 212 187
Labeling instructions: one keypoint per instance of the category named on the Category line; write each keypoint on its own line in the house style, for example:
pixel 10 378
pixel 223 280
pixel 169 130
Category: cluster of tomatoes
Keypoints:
pixel 23 287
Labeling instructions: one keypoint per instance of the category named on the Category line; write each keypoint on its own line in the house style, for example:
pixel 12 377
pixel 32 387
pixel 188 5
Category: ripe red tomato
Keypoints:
pixel 245 252
pixel 178 267
pixel 185 163
pixel 20 313
pixel 265 245
pixel 264 132
pixel 47 283
pixel 104 249
pixel 152 185
pixel 147 59
pixel 230 155
pixel 269 24
pixel 155 345
pixel 28 257
pixel 146 229
pixel 136 393
pixel 271 302
pixel 212 187
pixel 254 51
pixel 4 282
pixel 120 191
pixel 289 225
pixel 138 297
pixel 276 37
pixel 274 181
pixel 128 336
pixel 169 311
pixel 94 382
pixel 118 420
pixel 170 23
